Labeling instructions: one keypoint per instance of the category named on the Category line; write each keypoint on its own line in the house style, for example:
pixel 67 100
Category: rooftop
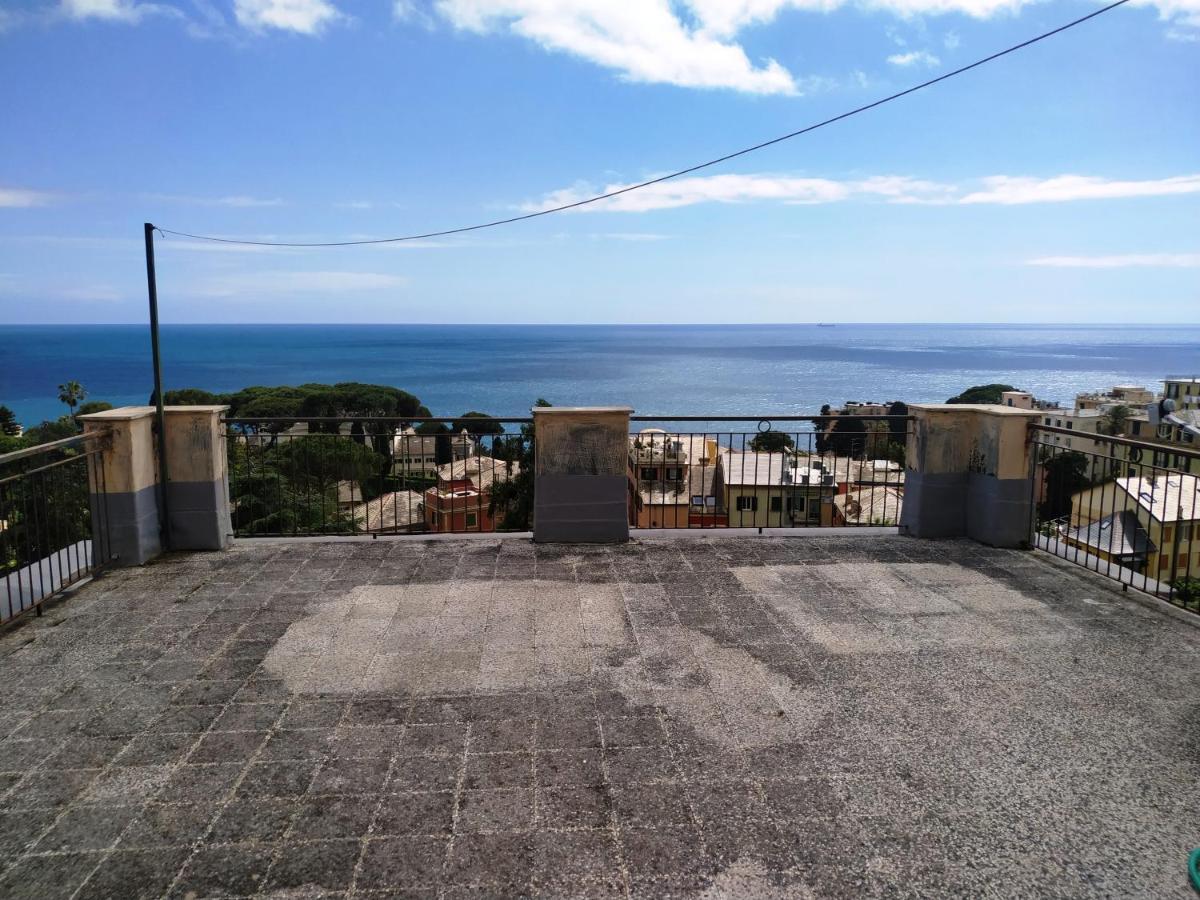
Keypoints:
pixel 682 716
pixel 1169 497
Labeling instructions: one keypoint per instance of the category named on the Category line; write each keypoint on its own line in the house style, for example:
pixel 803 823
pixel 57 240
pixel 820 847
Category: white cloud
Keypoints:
pixel 301 16
pixel 645 40
pixel 22 198
pixel 252 285
pixel 900 189
pixel 1155 260
pixel 235 201
pixel 1011 190
pixel 128 11
pixel 913 58
pixel 694 43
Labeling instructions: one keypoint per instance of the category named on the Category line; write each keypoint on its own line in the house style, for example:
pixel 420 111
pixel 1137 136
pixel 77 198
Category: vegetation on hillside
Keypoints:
pixel 982 393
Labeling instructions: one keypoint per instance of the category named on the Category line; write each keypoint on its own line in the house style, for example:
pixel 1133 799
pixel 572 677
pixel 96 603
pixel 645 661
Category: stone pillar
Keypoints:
pixel 129 483
pixel 581 480
pixel 197 478
pixel 968 472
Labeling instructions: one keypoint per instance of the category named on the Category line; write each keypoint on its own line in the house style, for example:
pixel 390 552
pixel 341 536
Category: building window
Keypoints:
pixel 472 520
pixel 649 474
pixel 674 474
pixel 747 504
pixel 798 503
pixel 1137 427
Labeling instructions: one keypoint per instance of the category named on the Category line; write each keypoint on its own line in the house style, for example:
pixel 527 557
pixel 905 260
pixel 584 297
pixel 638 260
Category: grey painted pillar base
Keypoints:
pixel 199 515
pixel 998 510
pixel 985 508
pixel 131 526
pixel 581 509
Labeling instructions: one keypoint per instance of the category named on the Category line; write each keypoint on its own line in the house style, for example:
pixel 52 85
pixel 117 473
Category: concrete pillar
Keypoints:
pixel 581 481
pixel 197 478
pixel 129 483
pixel 968 472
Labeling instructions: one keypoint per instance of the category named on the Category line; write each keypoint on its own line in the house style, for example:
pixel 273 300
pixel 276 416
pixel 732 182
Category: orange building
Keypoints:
pixel 461 498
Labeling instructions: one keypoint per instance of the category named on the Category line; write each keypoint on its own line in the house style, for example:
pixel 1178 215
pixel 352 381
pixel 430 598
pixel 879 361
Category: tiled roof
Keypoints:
pixel 1169 498
pixel 387 512
pixel 1119 534
pixel 871 506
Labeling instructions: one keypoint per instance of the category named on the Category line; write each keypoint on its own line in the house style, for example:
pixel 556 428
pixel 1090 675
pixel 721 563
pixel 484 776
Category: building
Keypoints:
pixel 1135 396
pixel 675 480
pixel 1167 508
pixel 398 511
pixel 1118 538
pixel 868 506
pixel 1017 399
pixel 461 499
pixel 1185 391
pixel 774 490
pixel 416 455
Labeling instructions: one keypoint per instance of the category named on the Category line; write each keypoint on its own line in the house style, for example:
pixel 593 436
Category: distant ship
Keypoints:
pixel 825 325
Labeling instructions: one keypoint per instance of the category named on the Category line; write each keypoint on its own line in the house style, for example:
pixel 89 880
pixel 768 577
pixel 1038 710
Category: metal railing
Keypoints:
pixel 787 472
pixel 1127 509
pixel 371 475
pixel 53 521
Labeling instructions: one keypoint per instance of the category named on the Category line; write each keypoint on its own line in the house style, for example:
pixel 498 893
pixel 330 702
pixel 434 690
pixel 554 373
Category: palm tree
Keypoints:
pixel 72 394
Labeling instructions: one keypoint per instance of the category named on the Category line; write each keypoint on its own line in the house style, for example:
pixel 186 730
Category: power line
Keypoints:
pixel 659 180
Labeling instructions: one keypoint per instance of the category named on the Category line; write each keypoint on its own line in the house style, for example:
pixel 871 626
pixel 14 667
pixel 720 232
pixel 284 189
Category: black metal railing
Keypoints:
pixel 371 475
pixel 783 472
pixel 53 521
pixel 1127 509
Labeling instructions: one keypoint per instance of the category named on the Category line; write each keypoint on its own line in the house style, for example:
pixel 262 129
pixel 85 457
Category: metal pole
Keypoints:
pixel 159 417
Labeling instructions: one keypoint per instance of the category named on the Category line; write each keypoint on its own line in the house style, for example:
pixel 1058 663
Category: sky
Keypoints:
pixel 1059 184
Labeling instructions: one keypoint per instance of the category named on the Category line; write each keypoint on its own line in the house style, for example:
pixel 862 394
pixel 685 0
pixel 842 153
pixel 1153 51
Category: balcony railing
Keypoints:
pixel 1127 509
pixel 364 475
pixel 53 521
pixel 782 472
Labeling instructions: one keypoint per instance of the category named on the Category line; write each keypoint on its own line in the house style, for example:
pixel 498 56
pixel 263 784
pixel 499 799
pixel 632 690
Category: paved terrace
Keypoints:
pixel 685 717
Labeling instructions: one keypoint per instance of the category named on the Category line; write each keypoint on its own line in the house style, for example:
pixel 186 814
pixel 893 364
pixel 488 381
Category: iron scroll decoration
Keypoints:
pixel 764 425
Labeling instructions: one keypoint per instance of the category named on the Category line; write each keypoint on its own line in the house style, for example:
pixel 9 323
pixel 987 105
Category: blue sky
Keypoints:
pixel 1059 184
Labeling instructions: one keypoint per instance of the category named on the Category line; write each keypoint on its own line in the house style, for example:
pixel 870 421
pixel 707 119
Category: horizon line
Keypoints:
pixel 1089 324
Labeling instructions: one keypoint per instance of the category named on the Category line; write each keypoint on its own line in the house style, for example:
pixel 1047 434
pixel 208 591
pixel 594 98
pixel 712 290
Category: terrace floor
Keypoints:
pixel 684 717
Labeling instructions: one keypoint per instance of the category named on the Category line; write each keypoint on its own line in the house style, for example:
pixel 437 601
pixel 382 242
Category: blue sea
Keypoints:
pixel 752 370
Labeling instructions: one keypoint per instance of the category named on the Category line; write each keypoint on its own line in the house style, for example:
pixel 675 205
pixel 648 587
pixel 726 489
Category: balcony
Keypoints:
pixel 688 717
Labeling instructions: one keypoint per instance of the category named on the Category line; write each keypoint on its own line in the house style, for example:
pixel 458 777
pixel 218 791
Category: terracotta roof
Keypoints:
pixel 390 512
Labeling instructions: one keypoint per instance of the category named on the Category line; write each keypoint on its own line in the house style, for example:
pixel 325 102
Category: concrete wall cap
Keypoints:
pixel 992 409
pixel 195 409
pixel 122 413
pixel 576 410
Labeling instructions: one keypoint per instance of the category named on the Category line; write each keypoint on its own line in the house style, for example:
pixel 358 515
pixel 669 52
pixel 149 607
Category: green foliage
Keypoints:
pixel 93 406
pixel 8 422
pixel 890 450
pixel 898 424
pixel 848 437
pixel 1187 591
pixel 512 498
pixel 1065 476
pixel 45 432
pixel 772 442
pixel 71 393
pixel 982 393
pixel 469 422
pixel 191 397
pixel 10 443
pixel 1116 420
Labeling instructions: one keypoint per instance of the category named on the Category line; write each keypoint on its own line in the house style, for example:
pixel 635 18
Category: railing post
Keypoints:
pixel 581 481
pixel 124 482
pixel 968 473
pixel 197 488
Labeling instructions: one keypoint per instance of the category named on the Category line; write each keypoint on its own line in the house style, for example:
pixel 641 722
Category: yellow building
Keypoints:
pixel 1167 509
pixel 776 490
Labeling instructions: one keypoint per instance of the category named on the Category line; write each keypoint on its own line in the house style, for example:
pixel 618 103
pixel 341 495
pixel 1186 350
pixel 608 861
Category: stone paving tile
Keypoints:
pixel 692 717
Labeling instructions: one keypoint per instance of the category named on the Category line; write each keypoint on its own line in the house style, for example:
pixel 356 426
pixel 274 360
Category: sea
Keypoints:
pixel 661 370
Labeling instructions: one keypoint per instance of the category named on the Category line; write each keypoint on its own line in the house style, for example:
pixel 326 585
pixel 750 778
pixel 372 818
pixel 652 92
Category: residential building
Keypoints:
pixel 461 498
pixel 772 490
pixel 415 455
pixel 675 480
pixel 397 511
pixel 1118 538
pixel 1135 396
pixel 868 506
pixel 1017 399
pixel 1167 508
pixel 1185 391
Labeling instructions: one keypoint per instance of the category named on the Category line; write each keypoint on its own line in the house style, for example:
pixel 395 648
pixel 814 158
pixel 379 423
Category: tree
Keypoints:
pixel 8 422
pixel 898 422
pixel 982 393
pixel 191 397
pixel 822 423
pixel 772 442
pixel 471 423
pixel 848 436
pixel 1066 476
pixel 512 497
pixel 45 432
pixel 94 406
pixel 72 394
pixel 1116 420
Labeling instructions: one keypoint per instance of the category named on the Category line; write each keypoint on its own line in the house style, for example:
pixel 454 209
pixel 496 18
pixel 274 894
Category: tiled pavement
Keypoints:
pixel 725 717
